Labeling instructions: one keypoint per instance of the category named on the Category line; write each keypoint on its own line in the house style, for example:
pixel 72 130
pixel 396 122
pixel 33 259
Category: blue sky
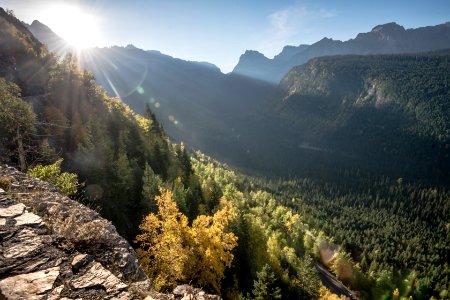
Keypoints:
pixel 220 31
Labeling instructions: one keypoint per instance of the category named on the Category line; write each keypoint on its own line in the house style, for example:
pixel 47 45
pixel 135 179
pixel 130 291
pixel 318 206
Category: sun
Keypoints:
pixel 79 28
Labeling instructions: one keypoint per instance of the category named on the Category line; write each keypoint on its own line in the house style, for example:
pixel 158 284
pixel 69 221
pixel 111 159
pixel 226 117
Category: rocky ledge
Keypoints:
pixel 52 247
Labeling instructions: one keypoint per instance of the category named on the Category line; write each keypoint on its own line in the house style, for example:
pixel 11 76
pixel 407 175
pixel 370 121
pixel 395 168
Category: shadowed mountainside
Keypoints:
pixel 195 102
pixel 386 114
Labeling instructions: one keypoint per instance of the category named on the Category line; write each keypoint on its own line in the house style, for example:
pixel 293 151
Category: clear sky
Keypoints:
pixel 220 31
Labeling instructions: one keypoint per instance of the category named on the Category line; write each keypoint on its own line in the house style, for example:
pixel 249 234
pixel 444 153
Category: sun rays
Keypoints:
pixel 76 26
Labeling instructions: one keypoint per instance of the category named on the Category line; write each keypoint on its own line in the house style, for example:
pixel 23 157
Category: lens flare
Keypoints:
pixel 140 90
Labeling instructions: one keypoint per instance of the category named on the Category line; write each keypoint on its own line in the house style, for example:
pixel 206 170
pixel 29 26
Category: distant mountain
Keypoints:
pixel 45 35
pixel 389 38
pixel 194 101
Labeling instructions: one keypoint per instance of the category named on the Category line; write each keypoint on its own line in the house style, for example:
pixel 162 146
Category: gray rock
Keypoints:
pixel 123 296
pixel 29 286
pixel 182 290
pixel 28 219
pixel 97 275
pixel 35 264
pixel 2 222
pixel 12 211
pixel 55 294
pixel 27 242
pixel 80 261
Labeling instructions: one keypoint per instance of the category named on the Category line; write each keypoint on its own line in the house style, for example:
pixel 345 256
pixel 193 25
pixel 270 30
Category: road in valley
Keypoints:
pixel 331 283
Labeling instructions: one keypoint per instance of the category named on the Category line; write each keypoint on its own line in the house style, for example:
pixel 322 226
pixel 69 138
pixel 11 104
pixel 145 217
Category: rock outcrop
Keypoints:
pixel 52 247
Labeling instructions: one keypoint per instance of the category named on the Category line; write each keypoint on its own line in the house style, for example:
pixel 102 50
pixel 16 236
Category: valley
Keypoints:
pixel 239 183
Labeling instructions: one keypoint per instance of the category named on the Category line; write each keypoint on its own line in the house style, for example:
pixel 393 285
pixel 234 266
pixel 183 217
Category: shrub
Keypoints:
pixel 67 182
pixel 5 183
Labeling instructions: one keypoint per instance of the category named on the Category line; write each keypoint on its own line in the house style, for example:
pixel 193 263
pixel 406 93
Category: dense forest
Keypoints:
pixel 193 219
pixel 393 234
pixel 379 114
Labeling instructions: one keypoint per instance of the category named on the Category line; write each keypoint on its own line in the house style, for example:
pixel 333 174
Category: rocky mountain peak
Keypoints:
pixel 289 51
pixel 131 47
pixel 253 54
pixel 37 24
pixel 389 29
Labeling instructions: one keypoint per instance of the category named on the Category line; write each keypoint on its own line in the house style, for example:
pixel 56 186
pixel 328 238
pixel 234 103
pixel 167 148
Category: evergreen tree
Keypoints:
pixel 151 183
pixel 265 286
pixel 17 121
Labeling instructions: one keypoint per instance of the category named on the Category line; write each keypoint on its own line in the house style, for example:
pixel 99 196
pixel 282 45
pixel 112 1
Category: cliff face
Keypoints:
pixel 52 247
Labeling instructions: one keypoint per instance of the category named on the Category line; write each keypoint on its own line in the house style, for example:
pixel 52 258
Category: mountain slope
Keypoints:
pixel 100 138
pixel 195 102
pixel 389 38
pixel 23 58
pixel 385 114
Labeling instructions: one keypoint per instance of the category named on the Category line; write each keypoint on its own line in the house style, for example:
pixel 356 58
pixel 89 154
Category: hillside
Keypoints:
pixel 22 56
pixel 358 146
pixel 389 38
pixel 246 123
pixel 194 102
pixel 382 114
pixel 66 114
pixel 54 247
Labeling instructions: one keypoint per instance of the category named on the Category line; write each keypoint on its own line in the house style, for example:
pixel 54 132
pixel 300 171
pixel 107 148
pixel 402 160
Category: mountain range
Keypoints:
pixel 389 38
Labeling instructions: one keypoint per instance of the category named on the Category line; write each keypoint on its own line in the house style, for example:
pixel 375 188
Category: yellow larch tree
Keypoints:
pixel 163 238
pixel 212 247
pixel 171 252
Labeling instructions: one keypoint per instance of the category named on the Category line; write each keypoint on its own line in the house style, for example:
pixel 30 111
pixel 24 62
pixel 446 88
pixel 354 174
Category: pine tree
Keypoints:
pixel 17 121
pixel 265 286
pixel 151 183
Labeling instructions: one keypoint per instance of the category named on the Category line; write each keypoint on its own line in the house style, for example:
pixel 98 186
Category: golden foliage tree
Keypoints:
pixel 212 247
pixel 171 251
pixel 163 252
